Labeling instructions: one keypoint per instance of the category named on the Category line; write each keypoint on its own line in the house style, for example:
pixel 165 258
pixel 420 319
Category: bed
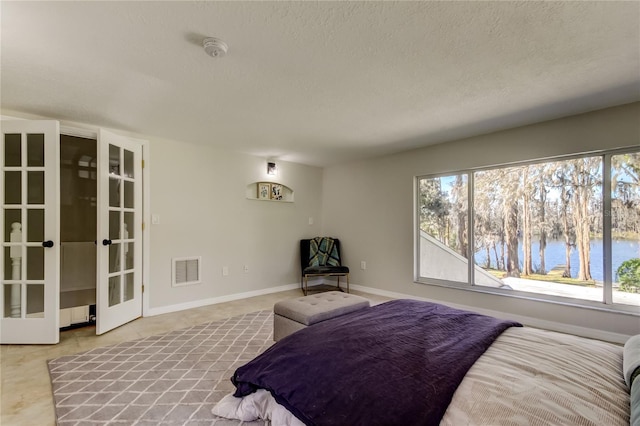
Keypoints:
pixel 410 362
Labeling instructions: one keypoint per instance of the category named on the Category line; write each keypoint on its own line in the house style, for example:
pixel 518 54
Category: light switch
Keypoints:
pixel 155 219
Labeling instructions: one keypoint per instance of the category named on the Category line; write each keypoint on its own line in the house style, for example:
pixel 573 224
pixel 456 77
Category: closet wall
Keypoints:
pixel 78 197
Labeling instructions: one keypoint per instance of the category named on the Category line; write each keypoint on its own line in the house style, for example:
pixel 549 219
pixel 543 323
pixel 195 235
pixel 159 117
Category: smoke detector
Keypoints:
pixel 215 47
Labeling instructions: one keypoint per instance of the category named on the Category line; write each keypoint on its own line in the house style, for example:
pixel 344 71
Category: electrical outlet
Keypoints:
pixel 246 268
pixel 363 265
pixel 225 271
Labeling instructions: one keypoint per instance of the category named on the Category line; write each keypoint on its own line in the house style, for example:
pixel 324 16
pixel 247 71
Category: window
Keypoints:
pixel 563 230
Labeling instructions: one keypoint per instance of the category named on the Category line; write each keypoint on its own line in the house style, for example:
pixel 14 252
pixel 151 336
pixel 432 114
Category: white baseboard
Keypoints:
pixel 215 300
pixel 532 322
pixel 227 298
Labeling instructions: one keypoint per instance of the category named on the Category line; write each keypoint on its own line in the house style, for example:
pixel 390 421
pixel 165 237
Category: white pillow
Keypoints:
pixel 631 358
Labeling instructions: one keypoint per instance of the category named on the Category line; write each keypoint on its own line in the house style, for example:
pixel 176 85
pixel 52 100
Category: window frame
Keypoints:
pixel 606 304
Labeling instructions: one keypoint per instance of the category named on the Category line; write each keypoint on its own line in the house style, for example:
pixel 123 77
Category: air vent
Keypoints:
pixel 185 271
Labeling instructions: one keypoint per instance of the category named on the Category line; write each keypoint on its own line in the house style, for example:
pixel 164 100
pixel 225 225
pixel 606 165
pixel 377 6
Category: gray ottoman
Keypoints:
pixel 292 315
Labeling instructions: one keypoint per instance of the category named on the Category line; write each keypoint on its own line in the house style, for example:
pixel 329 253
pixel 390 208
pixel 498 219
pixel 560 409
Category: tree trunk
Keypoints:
pixel 461 200
pixel 488 263
pixel 527 267
pixel 541 250
pixel 503 265
pixel 446 235
pixel 581 220
pixel 542 225
pixel 462 234
pixel 565 232
pixel 511 233
pixel 582 183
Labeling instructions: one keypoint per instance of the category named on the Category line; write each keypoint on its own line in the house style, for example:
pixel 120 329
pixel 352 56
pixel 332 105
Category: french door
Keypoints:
pixel 30 232
pixel 30 236
pixel 119 285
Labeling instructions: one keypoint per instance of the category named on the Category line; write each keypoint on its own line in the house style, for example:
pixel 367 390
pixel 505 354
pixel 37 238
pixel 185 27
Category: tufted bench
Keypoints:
pixel 292 315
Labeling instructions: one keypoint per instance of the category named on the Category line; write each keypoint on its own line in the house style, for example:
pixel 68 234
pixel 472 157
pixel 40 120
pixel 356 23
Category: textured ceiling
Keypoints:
pixel 318 82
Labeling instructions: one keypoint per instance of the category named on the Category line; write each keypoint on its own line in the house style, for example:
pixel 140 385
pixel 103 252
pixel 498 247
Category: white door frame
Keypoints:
pixel 146 232
pixel 53 318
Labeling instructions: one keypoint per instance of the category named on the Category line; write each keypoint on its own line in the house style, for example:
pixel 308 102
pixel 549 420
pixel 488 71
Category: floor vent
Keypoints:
pixel 185 271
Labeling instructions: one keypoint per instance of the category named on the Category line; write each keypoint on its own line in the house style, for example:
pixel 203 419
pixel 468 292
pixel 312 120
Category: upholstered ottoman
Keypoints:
pixel 292 315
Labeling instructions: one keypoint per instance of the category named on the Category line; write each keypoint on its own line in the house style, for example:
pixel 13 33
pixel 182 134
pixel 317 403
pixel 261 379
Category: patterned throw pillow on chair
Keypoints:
pixel 323 252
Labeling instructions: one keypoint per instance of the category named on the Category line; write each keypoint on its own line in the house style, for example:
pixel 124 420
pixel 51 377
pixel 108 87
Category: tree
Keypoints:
pixel 527 190
pixel 487 204
pixel 543 177
pixel 628 165
pixel 459 194
pixel 482 221
pixel 584 178
pixel 629 275
pixel 625 203
pixel 434 209
pixel 561 180
pixel 511 179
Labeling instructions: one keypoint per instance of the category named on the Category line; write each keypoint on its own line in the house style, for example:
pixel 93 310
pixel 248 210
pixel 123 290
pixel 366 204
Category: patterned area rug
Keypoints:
pixel 169 379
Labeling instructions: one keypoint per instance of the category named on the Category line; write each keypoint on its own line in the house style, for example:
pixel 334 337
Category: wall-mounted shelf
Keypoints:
pixel 269 191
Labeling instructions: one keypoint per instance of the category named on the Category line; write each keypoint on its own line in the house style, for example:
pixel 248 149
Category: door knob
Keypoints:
pixel 106 242
pixel 47 244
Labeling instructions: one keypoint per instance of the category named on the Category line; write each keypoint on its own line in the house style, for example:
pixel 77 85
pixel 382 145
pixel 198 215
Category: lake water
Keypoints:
pixel 554 255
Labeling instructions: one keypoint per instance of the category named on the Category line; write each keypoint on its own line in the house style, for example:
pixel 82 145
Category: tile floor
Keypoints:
pixel 25 388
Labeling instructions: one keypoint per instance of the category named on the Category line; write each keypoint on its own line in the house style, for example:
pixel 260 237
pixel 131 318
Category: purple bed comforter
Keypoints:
pixel 397 363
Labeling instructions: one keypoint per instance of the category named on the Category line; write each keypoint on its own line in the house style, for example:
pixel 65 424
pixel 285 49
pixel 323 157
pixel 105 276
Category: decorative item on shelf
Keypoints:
pixel 270 191
pixel 276 191
pixel 272 169
pixel 264 190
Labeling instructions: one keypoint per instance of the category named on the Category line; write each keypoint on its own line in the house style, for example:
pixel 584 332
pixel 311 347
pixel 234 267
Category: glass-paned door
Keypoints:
pixel 29 271
pixel 119 297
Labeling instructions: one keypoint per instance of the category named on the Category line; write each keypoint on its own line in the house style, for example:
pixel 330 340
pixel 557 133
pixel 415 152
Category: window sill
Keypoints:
pixel 537 297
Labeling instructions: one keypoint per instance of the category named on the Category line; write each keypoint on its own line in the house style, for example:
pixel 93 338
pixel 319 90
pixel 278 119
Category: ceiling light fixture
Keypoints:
pixel 215 47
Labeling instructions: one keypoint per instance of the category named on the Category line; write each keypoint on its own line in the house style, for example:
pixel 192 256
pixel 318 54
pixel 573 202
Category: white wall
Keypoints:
pixel 370 206
pixel 200 195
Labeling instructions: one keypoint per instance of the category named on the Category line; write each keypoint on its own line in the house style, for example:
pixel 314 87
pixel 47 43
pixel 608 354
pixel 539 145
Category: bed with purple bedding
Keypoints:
pixel 408 362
